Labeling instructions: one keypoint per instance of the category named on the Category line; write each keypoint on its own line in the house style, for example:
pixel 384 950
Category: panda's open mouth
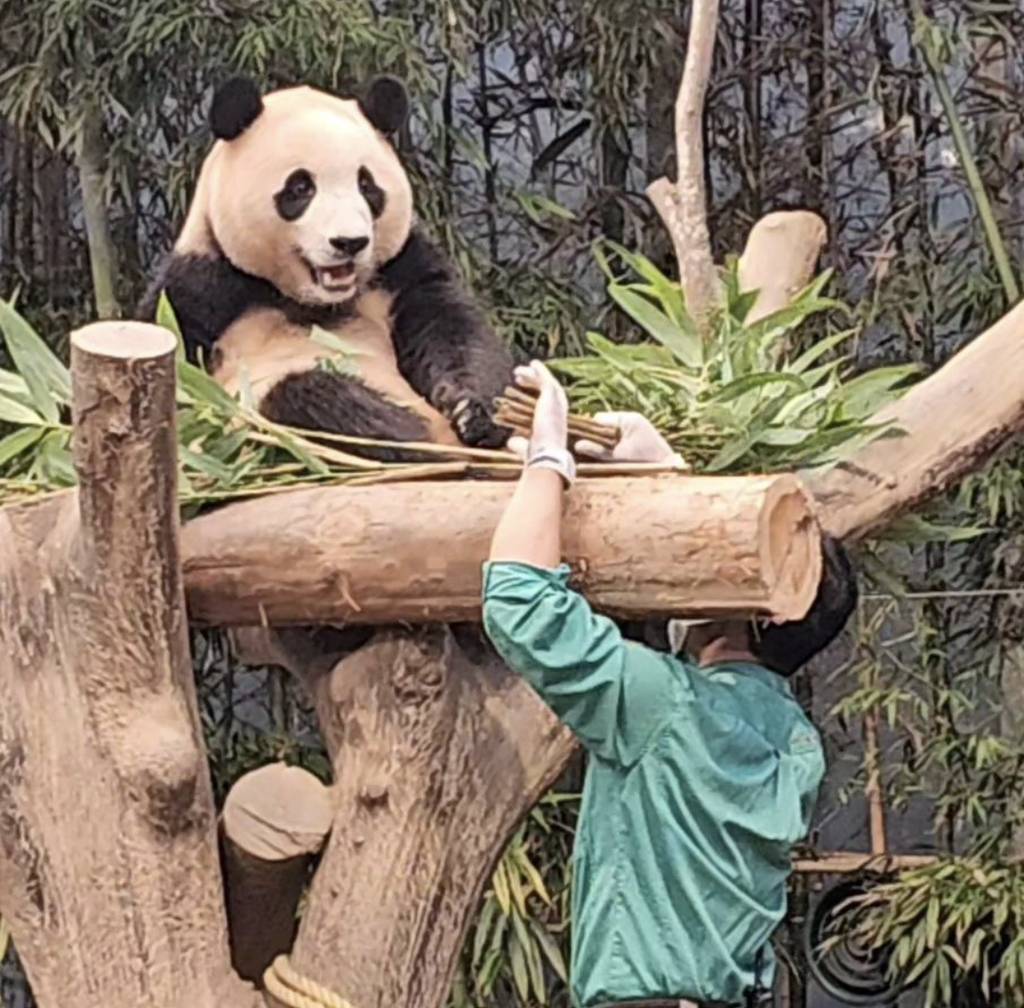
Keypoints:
pixel 336 279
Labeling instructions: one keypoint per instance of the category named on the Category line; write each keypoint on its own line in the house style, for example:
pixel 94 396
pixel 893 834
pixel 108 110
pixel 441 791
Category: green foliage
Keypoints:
pixel 518 946
pixel 226 449
pixel 745 400
pixel 957 922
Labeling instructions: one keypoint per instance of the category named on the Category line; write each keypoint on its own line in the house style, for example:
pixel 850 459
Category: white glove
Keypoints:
pixel 547 447
pixel 639 441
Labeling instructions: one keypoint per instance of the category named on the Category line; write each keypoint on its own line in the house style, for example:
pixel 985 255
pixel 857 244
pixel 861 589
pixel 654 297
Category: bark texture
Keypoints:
pixel 108 865
pixel 951 423
pixel 682 205
pixel 666 545
pixel 439 751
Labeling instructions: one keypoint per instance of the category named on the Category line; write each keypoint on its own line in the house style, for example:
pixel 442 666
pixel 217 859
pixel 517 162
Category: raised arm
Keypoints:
pixel 613 694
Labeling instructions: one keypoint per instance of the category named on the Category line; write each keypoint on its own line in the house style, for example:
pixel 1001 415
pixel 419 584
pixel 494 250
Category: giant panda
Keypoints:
pixel 303 216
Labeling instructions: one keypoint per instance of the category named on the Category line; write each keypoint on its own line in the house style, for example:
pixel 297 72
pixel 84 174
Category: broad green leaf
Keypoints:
pixel 18 442
pixel 517 961
pixel 500 883
pixel 748 383
pixel 47 379
pixel 483 929
pixel 864 394
pixel 668 292
pixel 203 389
pixel 916 529
pixel 53 460
pixel 806 359
pixel 550 948
pixel 207 464
pixel 13 386
pixel 686 346
pixel 165 317
pixel 12 411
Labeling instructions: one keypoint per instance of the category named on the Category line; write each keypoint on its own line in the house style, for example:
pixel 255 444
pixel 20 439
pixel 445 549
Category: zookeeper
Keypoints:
pixel 703 769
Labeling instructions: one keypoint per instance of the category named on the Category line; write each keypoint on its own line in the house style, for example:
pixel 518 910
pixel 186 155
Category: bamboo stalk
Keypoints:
pixel 516 406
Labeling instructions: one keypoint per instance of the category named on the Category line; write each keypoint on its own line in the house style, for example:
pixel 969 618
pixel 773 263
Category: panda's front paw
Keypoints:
pixel 474 423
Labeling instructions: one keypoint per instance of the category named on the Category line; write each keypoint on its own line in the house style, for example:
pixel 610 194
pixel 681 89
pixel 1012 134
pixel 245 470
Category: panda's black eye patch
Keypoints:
pixel 296 194
pixel 371 192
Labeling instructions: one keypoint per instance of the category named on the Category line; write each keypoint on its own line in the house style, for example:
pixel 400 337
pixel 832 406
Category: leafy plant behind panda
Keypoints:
pixel 739 403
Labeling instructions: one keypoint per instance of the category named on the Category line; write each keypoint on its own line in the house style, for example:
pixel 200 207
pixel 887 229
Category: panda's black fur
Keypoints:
pixel 444 348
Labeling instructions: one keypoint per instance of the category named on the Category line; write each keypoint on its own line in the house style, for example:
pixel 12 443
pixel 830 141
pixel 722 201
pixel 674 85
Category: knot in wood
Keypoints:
pixel 373 794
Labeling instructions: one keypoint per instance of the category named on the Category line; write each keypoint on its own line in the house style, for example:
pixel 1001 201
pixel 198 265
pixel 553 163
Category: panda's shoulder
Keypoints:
pixel 420 261
pixel 207 294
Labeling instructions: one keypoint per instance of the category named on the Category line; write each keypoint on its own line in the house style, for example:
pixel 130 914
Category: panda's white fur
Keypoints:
pixel 299 129
pixel 256 266
pixel 263 346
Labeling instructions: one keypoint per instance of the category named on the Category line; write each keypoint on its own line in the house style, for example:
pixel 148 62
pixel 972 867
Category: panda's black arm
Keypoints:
pixel 445 348
pixel 207 294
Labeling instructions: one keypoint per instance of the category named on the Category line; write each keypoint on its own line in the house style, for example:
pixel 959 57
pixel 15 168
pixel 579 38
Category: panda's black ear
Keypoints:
pixel 237 104
pixel 385 102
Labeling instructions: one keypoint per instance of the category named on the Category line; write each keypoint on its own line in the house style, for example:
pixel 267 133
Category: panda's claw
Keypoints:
pixel 475 426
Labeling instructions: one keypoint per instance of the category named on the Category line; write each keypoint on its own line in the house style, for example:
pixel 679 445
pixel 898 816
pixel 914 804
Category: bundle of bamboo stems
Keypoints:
pixel 515 410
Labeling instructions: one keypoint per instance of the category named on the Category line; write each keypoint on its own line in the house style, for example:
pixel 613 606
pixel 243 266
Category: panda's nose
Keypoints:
pixel 350 246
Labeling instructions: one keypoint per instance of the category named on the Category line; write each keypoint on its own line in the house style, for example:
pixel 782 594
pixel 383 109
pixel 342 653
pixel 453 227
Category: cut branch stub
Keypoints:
pixel 275 819
pixel 640 547
pixel 780 257
pixel 108 862
pixel 952 423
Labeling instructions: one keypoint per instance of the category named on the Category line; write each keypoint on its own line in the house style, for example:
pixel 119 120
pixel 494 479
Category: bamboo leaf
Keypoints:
pixel 47 379
pixel 685 345
pixel 18 442
pixel 517 962
pixel 12 411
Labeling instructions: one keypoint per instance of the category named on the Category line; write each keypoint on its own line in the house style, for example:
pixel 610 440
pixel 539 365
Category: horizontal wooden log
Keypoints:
pixel 664 545
pixel 953 422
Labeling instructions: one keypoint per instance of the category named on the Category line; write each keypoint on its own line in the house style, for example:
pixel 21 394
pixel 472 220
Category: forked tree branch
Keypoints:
pixel 683 204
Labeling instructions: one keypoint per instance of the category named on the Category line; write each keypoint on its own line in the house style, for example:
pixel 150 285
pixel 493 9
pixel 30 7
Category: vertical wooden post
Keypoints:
pixel 439 751
pixel 108 859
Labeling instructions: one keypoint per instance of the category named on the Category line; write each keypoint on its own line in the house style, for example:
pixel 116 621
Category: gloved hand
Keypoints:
pixel 550 416
pixel 639 441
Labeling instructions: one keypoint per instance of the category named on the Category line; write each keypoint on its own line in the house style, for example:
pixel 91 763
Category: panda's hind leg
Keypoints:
pixel 323 400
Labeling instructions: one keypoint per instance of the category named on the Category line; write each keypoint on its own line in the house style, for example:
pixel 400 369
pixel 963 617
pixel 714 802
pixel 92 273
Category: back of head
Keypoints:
pixel 786 647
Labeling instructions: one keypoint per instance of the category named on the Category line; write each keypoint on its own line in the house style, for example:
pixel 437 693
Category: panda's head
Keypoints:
pixel 304 189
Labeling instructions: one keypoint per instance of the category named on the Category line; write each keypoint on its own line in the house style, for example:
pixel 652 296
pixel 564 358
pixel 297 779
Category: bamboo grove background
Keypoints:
pixel 537 126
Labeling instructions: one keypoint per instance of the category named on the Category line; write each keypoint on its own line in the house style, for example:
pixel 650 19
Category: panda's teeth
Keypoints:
pixel 337 276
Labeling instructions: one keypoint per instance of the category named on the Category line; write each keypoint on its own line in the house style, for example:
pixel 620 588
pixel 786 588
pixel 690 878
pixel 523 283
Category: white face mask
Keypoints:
pixel 678 630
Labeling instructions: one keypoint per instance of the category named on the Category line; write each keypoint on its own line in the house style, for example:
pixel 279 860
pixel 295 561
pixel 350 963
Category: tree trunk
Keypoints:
pixel 683 205
pixel 952 424
pixel 108 865
pixel 438 751
pixel 275 819
pixel 102 257
pixel 658 545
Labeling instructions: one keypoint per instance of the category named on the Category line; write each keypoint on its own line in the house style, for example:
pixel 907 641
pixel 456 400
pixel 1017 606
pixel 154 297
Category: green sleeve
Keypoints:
pixel 613 694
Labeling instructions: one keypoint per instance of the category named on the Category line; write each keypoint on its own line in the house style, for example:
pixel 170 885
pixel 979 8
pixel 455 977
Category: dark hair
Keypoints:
pixel 786 647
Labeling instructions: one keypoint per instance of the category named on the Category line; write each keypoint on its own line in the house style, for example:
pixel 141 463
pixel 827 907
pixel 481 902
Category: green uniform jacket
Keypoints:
pixel 699 782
